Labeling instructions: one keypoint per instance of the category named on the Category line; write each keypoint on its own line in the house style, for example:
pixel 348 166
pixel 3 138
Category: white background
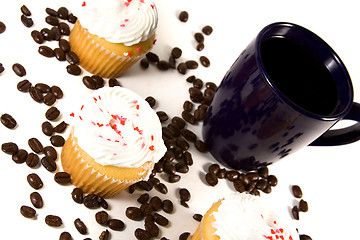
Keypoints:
pixel 328 176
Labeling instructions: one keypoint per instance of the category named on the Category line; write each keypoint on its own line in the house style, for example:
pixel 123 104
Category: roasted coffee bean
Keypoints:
pixel 296 190
pixel 211 86
pixel 176 52
pixel 49 164
pixel 191 64
pixel 19 69
pixel 134 213
pixel 198 83
pixel 253 176
pixel 181 167
pixel 24 86
pixel 200 46
pixel 144 185
pixel 64 28
pixel 261 184
pixel 182 68
pixel 144 63
pixel 27 211
pixel 163 65
pixel 50 152
pixel 143 198
pixel 295 213
pixel 71 57
pixel 34 181
pixel 20 156
pixel 305 237
pixel 188 117
pixel 154 181
pixel 209 93
pixel 47 128
pixel 59 54
pixel 116 224
pixel 58 93
pixel 53 221
pixel 188 160
pixel 159 167
pixel 272 180
pixel 114 82
pixel 161 188
pixel 184 236
pixel 232 175
pixel 63 13
pixel 214 168
pixel 27 21
pixel 35 145
pixel 184 194
pixel 156 203
pixel 102 218
pixel 239 186
pixel 8 121
pixel 73 69
pixel 174 178
pixel 65 236
pixel 60 128
pixel 207 30
pixel 52 20
pixel 92 201
pixel 191 79
pixel 51 12
pixel 188 106
pixel 152 228
pixel 152 57
pixel 80 226
pixel 172 62
pixel 47 34
pixel 2 27
pixel 199 37
pixel 52 113
pixel 162 116
pixel 200 146
pixel 37 36
pixel 205 61
pixel 188 135
pixel 199 114
pixel 146 209
pixel 142 234
pixel 62 178
pixel 303 206
pixel 9 148
pixel 49 99
pixel 36 200
pixel 36 95
pixel 25 10
pixel 151 100
pixel 184 16
pixel 56 33
pixel 32 160
pixel 77 195
pixel 89 82
pixel 211 178
pixel 167 206
pixel 197 217
pixel 46 51
pixel 43 87
pixel 64 45
pixel 263 172
pixel 221 173
pixel 195 95
pixel 169 168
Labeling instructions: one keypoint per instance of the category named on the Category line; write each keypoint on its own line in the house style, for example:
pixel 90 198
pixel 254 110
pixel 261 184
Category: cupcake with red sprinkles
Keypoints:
pixel 114 142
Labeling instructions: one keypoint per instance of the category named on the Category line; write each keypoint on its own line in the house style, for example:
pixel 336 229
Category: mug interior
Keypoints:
pixel 304 71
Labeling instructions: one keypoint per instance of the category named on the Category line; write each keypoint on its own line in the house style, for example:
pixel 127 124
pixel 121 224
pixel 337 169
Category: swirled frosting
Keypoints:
pixel 117 127
pixel 118 21
pixel 247 217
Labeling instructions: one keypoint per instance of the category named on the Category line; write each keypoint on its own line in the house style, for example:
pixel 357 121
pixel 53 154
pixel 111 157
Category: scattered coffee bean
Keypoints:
pixel 174 178
pixel 28 22
pixel 195 94
pixel 47 34
pixel 296 190
pixel 167 206
pixel 49 99
pixel 20 156
pixel 8 121
pixel 43 87
pixel 144 63
pixel 27 211
pixel 65 236
pixel 71 57
pixel 46 51
pixel 36 200
pixel 77 195
pixel 152 57
pixel 50 152
pixel 104 235
pixel 73 69
pixel 161 188
pixel 239 186
pixel 163 65
pixel 63 13
pixel 200 146
pixel 197 217
pixel 36 95
pixel 184 194
pixel 62 178
pixel 162 116
pixel 52 20
pixel 160 219
pixel 303 206
pixel 64 28
pixel 34 181
pixel 53 221
pixel 9 148
pixel 184 16
pixel 80 226
pixel 52 113
pixel 19 69
pixel 272 180
pixel 47 128
pixel 37 36
pixel 35 145
pixel 102 218
pixel 152 228
pixel 142 234
pixel 32 160
pixel 51 12
pixel 134 213
pixel 92 201
pixel 191 64
pixel 211 178
pixel 25 10
pixel 199 37
pixel 2 27
pixel 176 52
pixel 114 82
pixel 182 68
pixel 116 224
pixel 295 213
pixel 49 164
pixel 184 236
pixel 58 93
pixel 24 86
pixel 207 30
pixel 305 237
pixel 204 61
pixel 151 101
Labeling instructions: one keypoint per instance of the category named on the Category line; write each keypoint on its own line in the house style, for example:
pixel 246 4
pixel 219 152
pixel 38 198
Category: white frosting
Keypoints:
pixel 118 21
pixel 242 216
pixel 117 127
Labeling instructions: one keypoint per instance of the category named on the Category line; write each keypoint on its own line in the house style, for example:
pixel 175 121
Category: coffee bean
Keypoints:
pixel 198 83
pixel 58 93
pixel 305 237
pixel 114 82
pixel 80 226
pixel 144 185
pixel 51 12
pixel 156 203
pixel 181 167
pixel 151 101
pixel 36 200
pixel 188 106
pixel 23 86
pixel 49 99
pixel 27 211
pixel 34 181
pixel 176 52
pixel 152 57
pixel 163 65
pixel 154 181
pixel 182 68
pixel 197 217
pixel 261 184
pixel 152 228
pixel 199 114
pixel 167 206
pixel 62 178
pixel 71 57
pixel 295 213
pixel 303 206
pixel 56 33
pixel 296 190
pixel 207 30
pixel 43 87
pixel 47 128
pixel 104 235
pixel 9 148
pixel 239 186
pixel 20 156
pixel 116 224
pixel 162 116
pixel 144 63
pixel 221 173
pixel 92 201
pixel 205 61
pixel 25 10
pixel 52 20
pixel 37 36
pixel 65 236
pixel 28 22
pixel 32 160
pixel 188 135
pixel 174 178
pixel 184 16
pixel 63 13
pixel 35 145
pixel 47 34
pixel 199 37
pixel 2 27
pixel 46 51
pixel 49 164
pixel 200 146
pixel 272 180
pixel 77 195
pixel 60 128
pixel 53 221
pixel 72 18
pixel 142 234
pixel 102 218
pixel 191 64
pixel 161 188
pixel 19 69
pixel 73 69
pixel 64 28
pixel 211 178
pixel 134 213
pixel 59 54
pixel 89 82
pixel 172 62
pixel 52 113
pixel 36 95
pixel 252 176
pixel 184 194
pixel 8 121
pixel 184 236
pixel 188 117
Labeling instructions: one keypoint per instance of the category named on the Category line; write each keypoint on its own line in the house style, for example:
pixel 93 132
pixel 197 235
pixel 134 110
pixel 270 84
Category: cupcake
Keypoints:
pixel 114 142
pixel 110 36
pixel 242 216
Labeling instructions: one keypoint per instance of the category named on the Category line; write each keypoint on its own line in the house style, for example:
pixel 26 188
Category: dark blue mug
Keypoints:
pixel 284 92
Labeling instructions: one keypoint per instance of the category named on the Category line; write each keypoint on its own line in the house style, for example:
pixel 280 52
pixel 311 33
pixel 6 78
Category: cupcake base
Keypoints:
pixel 103 58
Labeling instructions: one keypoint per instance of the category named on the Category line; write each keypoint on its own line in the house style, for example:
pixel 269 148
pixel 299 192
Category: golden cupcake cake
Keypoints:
pixel 115 140
pixel 242 216
pixel 110 36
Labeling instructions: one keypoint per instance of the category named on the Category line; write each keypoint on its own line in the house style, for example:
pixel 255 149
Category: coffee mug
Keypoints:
pixel 284 92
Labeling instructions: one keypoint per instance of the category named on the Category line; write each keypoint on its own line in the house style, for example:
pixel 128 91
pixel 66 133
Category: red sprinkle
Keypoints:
pixel 80 118
pixel 151 148
pixel 72 114
pixel 83 4
pixel 82 107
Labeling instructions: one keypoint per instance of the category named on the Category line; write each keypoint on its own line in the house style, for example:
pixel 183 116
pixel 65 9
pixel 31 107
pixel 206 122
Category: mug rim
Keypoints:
pixel 338 114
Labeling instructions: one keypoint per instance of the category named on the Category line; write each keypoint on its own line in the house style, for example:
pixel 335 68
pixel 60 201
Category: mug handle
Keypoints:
pixel 342 136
